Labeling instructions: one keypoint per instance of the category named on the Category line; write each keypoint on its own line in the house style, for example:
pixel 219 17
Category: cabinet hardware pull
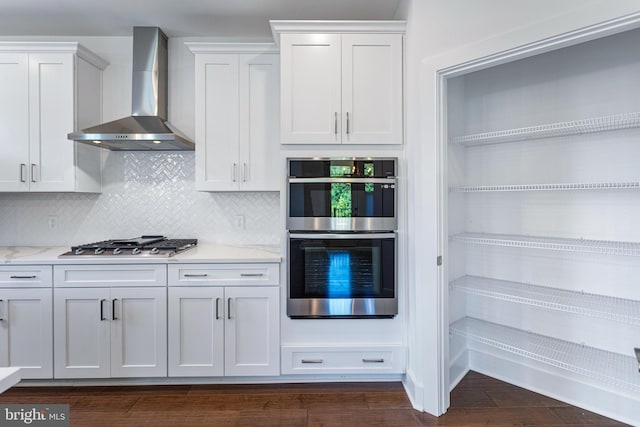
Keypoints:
pixel 113 309
pixel 244 172
pixel 196 275
pixel 234 172
pixel 229 308
pixel 23 171
pixel 1 318
pixel 23 277
pixel 251 274
pixel 335 123
pixel 102 309
pixel 347 123
pixel 217 309
pixel 373 360
pixel 312 361
pixel 33 172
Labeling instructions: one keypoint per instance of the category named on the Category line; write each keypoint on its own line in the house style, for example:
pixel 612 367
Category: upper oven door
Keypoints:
pixel 353 194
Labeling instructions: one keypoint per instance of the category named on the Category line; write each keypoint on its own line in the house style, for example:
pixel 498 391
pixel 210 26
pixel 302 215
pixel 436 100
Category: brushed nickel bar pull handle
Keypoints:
pixel 22 277
pixel 113 309
pixel 217 308
pixel 637 350
pixel 244 172
pixel 335 123
pixel 381 360
pixel 312 361
pixel 196 275
pixel 1 318
pixel 102 309
pixel 229 308
pixel 23 172
pixel 235 171
pixel 33 172
pixel 347 123
pixel 251 274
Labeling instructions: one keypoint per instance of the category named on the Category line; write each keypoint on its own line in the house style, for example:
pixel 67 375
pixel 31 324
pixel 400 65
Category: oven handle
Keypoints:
pixel 390 235
pixel 343 180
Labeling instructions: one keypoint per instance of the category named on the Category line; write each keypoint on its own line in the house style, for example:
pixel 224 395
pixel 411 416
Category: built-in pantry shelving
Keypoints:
pixel 565 122
pixel 546 187
pixel 606 367
pixel 582 303
pixel 607 247
pixel 574 127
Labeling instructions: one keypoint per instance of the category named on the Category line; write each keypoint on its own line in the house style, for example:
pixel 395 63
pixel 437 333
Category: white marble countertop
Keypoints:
pixel 203 253
pixel 8 378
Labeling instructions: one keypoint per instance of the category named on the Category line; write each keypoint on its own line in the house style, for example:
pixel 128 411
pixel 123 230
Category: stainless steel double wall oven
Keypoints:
pixel 342 222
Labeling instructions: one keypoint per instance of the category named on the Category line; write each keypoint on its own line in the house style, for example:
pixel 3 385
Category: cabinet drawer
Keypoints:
pixel 39 276
pixel 83 276
pixel 224 274
pixel 342 360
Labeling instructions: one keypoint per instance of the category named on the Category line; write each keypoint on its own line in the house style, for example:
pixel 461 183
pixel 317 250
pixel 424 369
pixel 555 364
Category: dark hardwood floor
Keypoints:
pixel 477 401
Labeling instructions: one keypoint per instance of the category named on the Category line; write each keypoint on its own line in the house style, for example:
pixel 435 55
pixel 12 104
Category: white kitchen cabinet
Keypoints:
pixel 237 134
pixel 230 330
pixel 116 331
pixel 47 91
pixel 341 88
pixel 542 204
pixel 26 335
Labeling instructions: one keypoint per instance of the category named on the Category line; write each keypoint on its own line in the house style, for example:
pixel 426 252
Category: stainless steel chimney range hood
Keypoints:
pixel 147 127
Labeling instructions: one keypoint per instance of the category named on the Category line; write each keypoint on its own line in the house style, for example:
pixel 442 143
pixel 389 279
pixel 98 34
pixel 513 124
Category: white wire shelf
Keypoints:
pixel 610 368
pixel 546 187
pixel 605 247
pixel 574 127
pixel 598 306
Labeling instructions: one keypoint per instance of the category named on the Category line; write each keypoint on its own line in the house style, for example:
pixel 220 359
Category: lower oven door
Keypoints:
pixel 351 275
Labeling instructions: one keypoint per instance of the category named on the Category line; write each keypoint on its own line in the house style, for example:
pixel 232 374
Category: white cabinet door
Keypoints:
pixel 196 331
pixel 14 122
pixel 26 335
pixel 217 122
pixel 138 332
pixel 51 99
pixel 259 93
pixel 237 132
pixel 252 331
pixel 311 89
pixel 81 333
pixel 372 88
pixel 341 89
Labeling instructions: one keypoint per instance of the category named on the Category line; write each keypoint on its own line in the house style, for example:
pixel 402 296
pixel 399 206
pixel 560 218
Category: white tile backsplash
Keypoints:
pixel 143 193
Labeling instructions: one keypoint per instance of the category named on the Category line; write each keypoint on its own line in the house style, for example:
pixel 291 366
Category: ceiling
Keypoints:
pixel 177 18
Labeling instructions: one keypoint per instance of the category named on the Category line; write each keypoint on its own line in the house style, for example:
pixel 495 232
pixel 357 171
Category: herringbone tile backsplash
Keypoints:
pixel 143 193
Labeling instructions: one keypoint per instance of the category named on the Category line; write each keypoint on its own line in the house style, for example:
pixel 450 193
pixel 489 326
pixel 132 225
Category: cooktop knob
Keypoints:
pixel 155 251
pixel 98 251
pixel 136 251
pixel 78 251
pixel 117 251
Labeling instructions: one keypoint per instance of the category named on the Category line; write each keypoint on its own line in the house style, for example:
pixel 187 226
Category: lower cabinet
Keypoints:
pixel 110 332
pixel 224 330
pixel 25 331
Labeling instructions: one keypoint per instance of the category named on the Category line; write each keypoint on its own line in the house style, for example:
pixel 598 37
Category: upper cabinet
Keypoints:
pixel 341 82
pixel 46 91
pixel 237 116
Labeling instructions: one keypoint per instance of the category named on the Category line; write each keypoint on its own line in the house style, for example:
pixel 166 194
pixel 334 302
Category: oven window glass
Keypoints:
pixel 341 200
pixel 342 268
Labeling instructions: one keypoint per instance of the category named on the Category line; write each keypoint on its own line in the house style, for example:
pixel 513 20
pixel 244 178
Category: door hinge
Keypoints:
pixel 439 260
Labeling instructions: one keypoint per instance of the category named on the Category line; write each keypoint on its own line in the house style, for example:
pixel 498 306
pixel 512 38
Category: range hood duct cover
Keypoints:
pixel 147 127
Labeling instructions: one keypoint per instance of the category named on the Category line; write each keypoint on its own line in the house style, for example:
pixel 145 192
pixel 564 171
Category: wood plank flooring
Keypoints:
pixel 477 401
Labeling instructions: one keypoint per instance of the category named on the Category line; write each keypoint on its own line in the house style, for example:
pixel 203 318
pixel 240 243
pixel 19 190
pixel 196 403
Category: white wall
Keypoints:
pixel 440 34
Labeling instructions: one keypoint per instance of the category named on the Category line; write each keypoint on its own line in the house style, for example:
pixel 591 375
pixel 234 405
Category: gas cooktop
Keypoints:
pixel 143 246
